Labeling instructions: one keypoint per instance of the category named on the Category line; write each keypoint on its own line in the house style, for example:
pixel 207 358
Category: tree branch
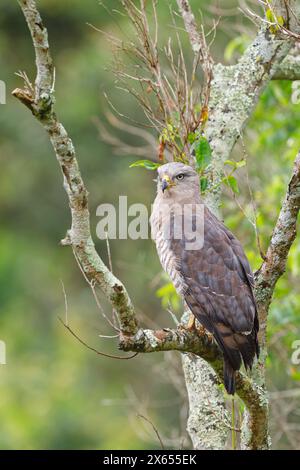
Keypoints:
pixel 40 101
pixel 289 69
pixel 191 27
pixel 283 235
pixel 236 89
pixel 199 46
pixel 255 427
pixel 180 339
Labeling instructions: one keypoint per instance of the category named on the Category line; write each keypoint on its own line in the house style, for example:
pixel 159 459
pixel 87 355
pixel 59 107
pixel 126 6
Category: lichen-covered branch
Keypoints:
pixel 196 36
pixel 190 26
pixel 180 339
pixel 206 415
pixel 236 89
pixel 234 93
pixel 266 277
pixel 199 46
pixel 283 235
pixel 255 426
pixel 44 64
pixel 289 69
pixel 40 101
pixel 208 422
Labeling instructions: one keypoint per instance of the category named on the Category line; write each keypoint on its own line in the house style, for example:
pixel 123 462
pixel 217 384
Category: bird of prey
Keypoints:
pixel 214 278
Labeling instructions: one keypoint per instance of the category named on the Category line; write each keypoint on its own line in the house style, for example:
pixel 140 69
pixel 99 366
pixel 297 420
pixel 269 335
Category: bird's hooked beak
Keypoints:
pixel 166 183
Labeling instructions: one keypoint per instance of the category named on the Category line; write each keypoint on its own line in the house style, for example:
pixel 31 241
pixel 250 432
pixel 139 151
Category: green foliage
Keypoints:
pixel 203 183
pixel 234 164
pixel 169 134
pixel 231 181
pixel 272 18
pixel 202 153
pixel 192 137
pixel 168 296
pixel 148 164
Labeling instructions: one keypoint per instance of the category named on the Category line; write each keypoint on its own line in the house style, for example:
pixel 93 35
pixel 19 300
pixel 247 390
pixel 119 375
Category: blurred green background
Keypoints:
pixel 54 393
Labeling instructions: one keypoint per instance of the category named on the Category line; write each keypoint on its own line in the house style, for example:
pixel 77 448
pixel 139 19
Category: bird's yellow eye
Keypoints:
pixel 180 176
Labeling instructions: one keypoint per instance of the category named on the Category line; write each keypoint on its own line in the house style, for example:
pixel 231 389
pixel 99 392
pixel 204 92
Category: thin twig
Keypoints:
pixel 154 429
pixel 66 301
pixel 100 353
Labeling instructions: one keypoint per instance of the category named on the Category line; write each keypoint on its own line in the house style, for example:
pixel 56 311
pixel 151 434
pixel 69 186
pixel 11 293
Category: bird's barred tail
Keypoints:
pixel 236 348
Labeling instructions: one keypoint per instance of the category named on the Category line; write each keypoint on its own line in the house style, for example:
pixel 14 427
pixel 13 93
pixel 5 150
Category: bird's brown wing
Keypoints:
pixel 219 291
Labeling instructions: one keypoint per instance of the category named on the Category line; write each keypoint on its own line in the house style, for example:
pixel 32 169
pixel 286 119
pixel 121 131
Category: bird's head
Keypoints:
pixel 177 179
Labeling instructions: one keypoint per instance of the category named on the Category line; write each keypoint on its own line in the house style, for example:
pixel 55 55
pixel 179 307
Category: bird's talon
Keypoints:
pixel 210 337
pixel 201 330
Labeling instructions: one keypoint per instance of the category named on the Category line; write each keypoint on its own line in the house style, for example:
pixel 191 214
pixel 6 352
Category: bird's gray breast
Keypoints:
pixel 162 234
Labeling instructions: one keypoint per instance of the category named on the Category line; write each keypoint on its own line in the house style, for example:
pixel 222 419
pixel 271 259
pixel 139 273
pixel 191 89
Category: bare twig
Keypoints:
pixel 66 302
pixel 100 353
pixel 154 429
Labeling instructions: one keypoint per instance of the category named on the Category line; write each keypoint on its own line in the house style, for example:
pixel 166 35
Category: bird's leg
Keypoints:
pixel 191 323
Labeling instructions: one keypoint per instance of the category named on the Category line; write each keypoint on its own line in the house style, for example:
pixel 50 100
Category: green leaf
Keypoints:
pixel 203 183
pixel 203 153
pixel 241 163
pixel 165 290
pixel 295 374
pixel 232 183
pixel 146 164
pixel 191 137
pixel 279 20
pixel 230 162
pixel 235 165
pixel 270 16
pixel 168 295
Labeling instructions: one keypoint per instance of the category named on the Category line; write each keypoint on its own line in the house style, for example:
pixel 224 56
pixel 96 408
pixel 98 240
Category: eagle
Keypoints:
pixel 207 266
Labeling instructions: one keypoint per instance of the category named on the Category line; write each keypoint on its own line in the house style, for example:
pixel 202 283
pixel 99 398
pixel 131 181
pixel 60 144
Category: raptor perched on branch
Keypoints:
pixel 207 265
